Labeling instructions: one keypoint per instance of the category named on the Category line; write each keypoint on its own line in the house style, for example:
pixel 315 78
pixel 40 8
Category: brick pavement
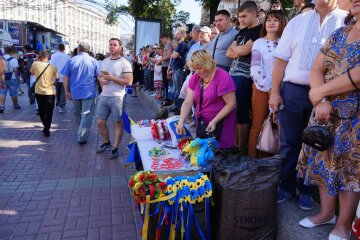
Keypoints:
pixel 53 188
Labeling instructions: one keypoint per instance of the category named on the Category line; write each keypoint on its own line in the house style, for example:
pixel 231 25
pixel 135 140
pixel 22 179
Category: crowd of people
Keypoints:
pixel 301 69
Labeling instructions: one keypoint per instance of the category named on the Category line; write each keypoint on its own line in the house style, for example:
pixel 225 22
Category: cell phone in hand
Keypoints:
pixel 105 72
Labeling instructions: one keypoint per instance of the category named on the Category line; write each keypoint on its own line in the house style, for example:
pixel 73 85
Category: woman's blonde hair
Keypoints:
pixel 202 59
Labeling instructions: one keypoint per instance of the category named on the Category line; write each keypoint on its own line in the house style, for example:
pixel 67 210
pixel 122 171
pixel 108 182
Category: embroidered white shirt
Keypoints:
pixel 301 41
pixel 262 63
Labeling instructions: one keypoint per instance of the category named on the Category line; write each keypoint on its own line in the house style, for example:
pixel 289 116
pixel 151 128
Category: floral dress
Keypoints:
pixel 338 168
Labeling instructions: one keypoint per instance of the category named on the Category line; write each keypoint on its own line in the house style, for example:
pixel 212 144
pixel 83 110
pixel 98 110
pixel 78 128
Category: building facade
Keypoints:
pixel 76 21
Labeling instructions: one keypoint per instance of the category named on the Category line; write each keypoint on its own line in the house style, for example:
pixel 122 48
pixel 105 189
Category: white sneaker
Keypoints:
pixel 153 95
pixel 61 110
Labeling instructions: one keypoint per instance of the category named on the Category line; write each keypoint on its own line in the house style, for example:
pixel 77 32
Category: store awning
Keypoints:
pixel 36 27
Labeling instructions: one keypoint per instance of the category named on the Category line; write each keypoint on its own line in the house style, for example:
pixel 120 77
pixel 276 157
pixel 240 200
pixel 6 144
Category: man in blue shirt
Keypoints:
pixel 79 80
pixel 179 60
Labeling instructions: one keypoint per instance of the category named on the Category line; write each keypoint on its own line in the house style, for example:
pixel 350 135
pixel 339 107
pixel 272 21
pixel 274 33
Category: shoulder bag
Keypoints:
pixel 32 89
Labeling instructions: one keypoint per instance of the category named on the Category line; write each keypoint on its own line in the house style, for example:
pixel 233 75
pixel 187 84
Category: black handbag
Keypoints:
pixel 202 125
pixel 319 136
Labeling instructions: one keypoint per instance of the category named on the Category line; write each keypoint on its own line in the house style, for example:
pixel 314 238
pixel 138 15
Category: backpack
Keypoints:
pixel 8 72
pixel 29 62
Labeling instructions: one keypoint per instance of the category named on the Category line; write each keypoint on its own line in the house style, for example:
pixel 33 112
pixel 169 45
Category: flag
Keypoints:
pixel 126 122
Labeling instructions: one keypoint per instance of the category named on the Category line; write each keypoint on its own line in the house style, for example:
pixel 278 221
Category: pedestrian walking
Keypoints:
pixel 11 80
pixel 115 74
pixel 58 60
pixel 79 79
pixel 44 74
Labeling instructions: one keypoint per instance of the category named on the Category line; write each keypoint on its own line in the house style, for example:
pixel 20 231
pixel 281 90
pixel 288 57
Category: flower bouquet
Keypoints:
pixel 146 183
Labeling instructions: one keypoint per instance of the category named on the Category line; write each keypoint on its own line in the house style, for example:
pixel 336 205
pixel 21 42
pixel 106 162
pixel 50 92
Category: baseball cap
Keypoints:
pixel 205 29
pixel 155 46
pixel 196 28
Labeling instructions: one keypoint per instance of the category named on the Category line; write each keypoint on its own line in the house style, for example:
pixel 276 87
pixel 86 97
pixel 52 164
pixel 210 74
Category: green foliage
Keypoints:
pixel 211 5
pixel 156 9
pixel 182 17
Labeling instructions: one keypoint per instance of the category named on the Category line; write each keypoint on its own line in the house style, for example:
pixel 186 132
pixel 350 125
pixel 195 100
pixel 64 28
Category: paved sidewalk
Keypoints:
pixel 53 188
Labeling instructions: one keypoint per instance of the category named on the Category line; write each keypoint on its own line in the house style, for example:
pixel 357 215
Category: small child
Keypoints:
pixel 158 74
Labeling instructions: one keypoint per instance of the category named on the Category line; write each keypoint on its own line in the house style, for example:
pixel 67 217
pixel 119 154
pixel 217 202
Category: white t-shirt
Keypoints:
pixel 58 60
pixel 13 63
pixel 158 70
pixel 117 68
pixel 301 41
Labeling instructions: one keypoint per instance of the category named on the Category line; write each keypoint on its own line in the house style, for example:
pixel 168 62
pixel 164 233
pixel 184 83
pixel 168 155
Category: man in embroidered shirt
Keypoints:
pixel 294 56
pixel 115 74
pixel 223 40
pixel 79 79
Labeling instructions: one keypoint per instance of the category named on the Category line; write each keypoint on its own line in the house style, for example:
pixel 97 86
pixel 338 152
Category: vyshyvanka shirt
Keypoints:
pixel 262 63
pixel 301 41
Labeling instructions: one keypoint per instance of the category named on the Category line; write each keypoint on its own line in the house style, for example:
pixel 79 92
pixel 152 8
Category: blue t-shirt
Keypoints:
pixel 81 71
pixel 179 63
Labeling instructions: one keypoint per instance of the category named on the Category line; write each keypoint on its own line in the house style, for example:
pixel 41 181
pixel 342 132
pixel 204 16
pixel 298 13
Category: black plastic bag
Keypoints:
pixel 245 195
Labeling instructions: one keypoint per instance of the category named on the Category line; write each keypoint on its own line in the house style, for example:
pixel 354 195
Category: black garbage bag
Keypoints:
pixel 245 195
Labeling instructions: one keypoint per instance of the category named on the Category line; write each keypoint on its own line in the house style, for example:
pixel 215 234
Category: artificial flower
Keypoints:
pixel 199 182
pixel 142 177
pixel 162 186
pixel 131 183
pixel 152 177
pixel 208 194
pixel 141 190
pixel 184 183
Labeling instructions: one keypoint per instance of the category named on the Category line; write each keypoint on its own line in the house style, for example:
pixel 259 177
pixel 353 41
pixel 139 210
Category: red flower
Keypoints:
pixel 162 186
pixel 131 183
pixel 142 178
pixel 141 190
pixel 141 199
pixel 152 177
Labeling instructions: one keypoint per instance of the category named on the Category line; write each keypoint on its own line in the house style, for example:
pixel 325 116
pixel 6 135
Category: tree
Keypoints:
pixel 158 9
pixel 211 5
pixel 182 17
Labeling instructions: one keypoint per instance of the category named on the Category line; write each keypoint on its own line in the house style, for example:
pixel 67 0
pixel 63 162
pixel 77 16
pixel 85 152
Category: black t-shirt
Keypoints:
pixel 242 64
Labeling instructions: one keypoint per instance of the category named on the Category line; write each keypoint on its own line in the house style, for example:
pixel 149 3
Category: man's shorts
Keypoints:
pixel 243 98
pixel 12 86
pixel 110 105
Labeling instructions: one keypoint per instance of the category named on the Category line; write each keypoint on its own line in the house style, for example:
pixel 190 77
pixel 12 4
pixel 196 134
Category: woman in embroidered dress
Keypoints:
pixel 336 171
pixel 261 67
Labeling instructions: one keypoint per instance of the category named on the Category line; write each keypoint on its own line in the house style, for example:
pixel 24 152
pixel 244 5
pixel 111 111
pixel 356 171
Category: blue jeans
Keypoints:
pixel 294 119
pixel 178 80
pixel 84 110
pixel 243 99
